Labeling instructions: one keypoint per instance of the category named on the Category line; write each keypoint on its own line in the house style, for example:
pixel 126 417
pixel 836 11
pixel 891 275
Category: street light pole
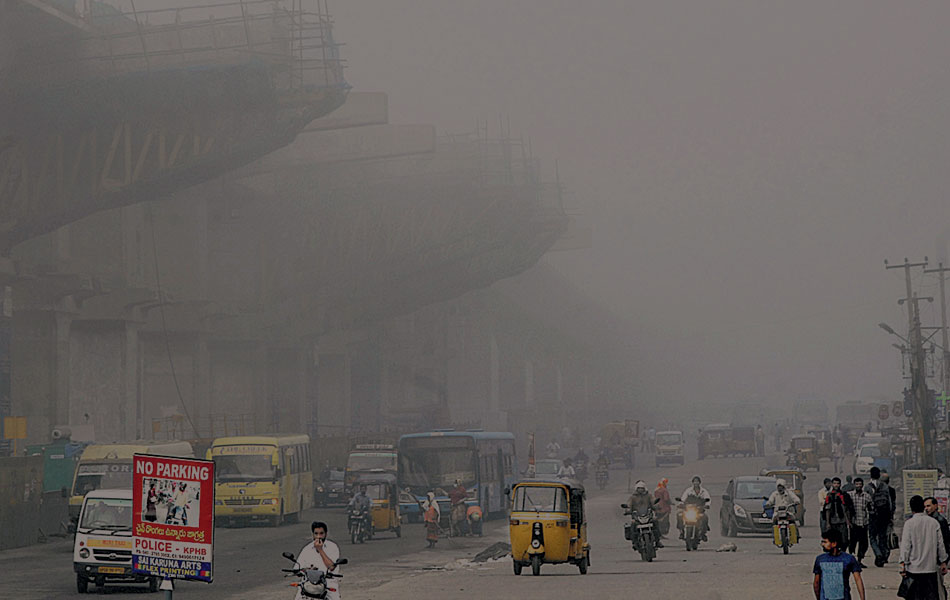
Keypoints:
pixel 922 412
pixel 943 325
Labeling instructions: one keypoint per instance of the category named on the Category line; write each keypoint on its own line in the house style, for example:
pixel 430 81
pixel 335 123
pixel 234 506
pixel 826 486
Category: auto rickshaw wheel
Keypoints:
pixel 535 565
pixel 516 565
pixel 582 566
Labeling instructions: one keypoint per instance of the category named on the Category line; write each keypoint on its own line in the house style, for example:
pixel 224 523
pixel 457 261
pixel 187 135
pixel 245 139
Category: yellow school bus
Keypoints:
pixel 261 478
pixel 109 466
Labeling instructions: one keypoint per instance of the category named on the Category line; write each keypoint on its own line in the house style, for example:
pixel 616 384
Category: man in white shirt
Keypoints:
pixel 321 554
pixel 922 551
pixel 566 471
pixel 698 495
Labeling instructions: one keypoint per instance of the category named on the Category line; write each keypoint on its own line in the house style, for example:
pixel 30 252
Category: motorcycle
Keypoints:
pixel 640 533
pixel 580 470
pixel 784 530
pixel 313 583
pixel 602 477
pixel 357 526
pixel 693 528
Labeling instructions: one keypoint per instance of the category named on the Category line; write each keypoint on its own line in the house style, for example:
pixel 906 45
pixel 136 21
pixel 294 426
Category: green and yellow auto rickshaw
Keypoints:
pixel 803 452
pixel 384 495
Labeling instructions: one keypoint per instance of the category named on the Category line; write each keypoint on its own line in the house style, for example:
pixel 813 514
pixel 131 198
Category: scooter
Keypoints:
pixel 640 533
pixel 356 524
pixel 693 529
pixel 784 530
pixel 313 583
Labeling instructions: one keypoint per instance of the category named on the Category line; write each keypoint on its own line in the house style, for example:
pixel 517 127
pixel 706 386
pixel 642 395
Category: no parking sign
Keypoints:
pixel 173 517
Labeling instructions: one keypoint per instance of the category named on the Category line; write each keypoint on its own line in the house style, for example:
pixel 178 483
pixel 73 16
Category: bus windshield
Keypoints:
pixel 365 461
pixel 244 467
pixel 107 513
pixel 98 476
pixel 540 499
pixel 429 463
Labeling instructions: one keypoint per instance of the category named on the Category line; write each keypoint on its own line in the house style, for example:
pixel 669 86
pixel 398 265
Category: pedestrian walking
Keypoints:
pixel 933 510
pixel 834 569
pixel 838 510
pixel 882 514
pixel 858 536
pixel 836 455
pixel 922 554
pixel 822 494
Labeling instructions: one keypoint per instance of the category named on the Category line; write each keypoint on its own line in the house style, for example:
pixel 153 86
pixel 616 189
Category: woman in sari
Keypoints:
pixel 432 515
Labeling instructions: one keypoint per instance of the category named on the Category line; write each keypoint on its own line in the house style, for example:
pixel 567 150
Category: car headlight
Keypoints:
pixel 740 512
pixel 84 553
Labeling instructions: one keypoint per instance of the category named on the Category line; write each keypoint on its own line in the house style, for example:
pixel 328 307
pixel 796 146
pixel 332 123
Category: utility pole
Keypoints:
pixel 923 411
pixel 943 325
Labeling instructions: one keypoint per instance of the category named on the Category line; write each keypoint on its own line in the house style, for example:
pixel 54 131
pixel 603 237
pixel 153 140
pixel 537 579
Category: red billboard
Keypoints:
pixel 172 517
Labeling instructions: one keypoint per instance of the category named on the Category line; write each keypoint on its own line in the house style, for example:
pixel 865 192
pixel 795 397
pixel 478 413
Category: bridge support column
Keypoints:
pixel 39 355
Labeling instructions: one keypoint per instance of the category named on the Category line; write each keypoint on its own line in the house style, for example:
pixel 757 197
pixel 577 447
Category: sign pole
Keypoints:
pixel 169 588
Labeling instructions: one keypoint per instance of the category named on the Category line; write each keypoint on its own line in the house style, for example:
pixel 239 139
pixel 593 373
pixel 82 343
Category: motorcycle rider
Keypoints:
pixel 603 465
pixel 362 502
pixel 580 462
pixel 783 497
pixel 321 554
pixel 641 502
pixel 566 470
pixel 698 495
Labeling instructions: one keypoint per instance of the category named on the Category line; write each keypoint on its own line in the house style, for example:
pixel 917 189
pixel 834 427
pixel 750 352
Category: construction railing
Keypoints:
pixel 293 37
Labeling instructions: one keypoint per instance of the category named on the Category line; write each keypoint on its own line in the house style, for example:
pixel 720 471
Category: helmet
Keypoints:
pixel 697 480
pixel 640 486
pixel 779 483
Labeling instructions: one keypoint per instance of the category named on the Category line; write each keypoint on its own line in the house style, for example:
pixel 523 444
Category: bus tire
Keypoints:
pixel 82 584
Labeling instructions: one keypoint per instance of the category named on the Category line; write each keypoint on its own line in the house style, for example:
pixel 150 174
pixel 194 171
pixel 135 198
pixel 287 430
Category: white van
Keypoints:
pixel 102 549
pixel 669 447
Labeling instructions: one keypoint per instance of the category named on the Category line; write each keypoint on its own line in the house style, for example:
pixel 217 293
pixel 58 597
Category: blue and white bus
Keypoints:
pixel 484 461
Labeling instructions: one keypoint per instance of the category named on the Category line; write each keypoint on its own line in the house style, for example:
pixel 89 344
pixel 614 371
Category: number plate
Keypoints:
pixel 242 509
pixel 112 570
pixel 764 520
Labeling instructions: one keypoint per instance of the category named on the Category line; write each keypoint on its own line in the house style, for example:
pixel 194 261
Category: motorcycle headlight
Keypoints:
pixel 691 514
pixel 314 589
pixel 740 512
pixel 84 553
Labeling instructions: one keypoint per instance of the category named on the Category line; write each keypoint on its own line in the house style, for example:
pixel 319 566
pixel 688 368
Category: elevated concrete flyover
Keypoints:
pixel 408 232
pixel 120 103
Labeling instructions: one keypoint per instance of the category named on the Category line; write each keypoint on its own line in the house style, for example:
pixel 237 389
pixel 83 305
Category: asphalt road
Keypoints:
pixel 248 561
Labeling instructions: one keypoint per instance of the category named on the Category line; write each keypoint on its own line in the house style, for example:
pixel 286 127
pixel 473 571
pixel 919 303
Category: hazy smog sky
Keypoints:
pixel 747 165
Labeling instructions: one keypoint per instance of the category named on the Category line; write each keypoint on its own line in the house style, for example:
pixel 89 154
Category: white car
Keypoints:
pixel 864 458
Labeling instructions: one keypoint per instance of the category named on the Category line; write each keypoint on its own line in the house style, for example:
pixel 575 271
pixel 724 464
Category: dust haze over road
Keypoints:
pixel 746 167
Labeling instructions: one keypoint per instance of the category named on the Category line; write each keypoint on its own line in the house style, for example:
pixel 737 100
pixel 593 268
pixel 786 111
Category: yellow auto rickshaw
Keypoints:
pixel 795 480
pixel 803 452
pixel 742 441
pixel 548 525
pixel 384 494
pixel 824 442
pixel 715 440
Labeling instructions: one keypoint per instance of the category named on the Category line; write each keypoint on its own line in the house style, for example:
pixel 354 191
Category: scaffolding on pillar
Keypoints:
pixel 292 38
